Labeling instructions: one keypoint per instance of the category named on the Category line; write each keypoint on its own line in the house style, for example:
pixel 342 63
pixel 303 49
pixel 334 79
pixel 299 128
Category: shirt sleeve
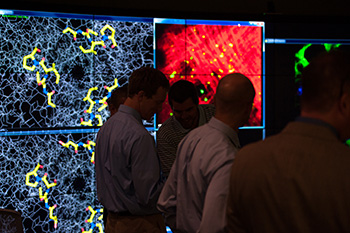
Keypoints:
pixel 167 200
pixel 145 171
pixel 214 210
pixel 233 223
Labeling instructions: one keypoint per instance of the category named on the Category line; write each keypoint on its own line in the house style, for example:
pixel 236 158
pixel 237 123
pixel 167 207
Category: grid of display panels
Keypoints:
pixel 56 73
pixel 290 45
pixel 205 51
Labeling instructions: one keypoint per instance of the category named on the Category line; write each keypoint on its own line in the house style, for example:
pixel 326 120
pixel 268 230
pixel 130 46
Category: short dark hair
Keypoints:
pixel 323 80
pixel 147 79
pixel 118 96
pixel 181 90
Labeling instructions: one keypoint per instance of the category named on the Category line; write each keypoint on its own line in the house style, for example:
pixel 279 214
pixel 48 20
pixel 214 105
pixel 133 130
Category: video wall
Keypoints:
pixel 56 73
pixel 203 52
pixel 290 44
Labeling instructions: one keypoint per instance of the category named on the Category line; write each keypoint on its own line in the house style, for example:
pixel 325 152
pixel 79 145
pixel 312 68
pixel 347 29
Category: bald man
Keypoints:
pixel 298 180
pixel 194 196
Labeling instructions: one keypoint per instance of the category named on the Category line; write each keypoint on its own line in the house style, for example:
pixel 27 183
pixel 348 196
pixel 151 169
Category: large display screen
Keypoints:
pixel 56 73
pixel 205 51
pixel 290 46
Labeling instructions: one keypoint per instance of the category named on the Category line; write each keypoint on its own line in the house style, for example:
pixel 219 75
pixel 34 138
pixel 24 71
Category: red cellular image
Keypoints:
pixel 203 54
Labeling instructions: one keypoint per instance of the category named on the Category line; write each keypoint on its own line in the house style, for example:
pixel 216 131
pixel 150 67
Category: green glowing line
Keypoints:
pixel 302 60
pixel 329 47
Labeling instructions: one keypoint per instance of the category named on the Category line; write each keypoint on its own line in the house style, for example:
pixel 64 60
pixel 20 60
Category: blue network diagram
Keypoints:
pixel 56 73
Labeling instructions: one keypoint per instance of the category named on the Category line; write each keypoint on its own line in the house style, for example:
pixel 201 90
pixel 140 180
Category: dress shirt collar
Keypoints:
pixel 318 122
pixel 128 110
pixel 228 131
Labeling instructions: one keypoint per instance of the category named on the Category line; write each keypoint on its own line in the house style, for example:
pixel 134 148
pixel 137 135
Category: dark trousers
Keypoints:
pixel 135 224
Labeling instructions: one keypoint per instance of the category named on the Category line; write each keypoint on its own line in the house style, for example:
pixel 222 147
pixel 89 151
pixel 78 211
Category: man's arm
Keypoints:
pixel 145 169
pixel 214 211
pixel 234 225
pixel 167 199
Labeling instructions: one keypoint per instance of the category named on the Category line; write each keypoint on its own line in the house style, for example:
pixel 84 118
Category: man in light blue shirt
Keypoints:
pixel 194 196
pixel 127 167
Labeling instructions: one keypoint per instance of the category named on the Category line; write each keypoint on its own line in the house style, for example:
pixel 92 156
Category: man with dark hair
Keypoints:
pixel 127 168
pixel 194 196
pixel 117 98
pixel 298 180
pixel 188 114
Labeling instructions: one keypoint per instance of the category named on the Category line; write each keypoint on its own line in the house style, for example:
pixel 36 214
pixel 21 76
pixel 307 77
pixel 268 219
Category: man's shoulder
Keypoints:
pixel 207 107
pixel 168 125
pixel 207 111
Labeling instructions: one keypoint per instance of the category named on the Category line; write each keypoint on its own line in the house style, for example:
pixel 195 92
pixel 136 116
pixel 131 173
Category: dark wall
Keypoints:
pixel 228 9
pixel 299 15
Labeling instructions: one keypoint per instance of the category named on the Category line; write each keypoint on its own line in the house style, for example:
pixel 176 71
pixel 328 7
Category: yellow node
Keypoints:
pixel 101 216
pixel 86 123
pixel 107 26
pixel 40 81
pixel 57 74
pixel 92 103
pixel 49 102
pixel 70 143
pixel 25 58
pixel 89 93
pixel 100 123
pixel 99 225
pixel 94 43
pixel 87 50
pixel 92 160
pixel 32 173
pixel 54 218
pixel 93 212
pixel 68 29
pixel 87 34
pixel 44 66
pixel 110 89
pixel 41 196
pixel 103 100
pixel 102 107
pixel 32 68
pixel 113 40
pixel 48 185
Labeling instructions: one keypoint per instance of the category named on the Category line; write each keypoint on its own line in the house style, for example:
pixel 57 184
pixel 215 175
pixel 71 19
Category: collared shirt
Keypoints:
pixel 127 166
pixel 294 181
pixel 317 122
pixel 194 196
pixel 171 133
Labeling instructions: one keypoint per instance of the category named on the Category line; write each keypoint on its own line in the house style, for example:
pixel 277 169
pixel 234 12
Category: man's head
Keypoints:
pixel 147 91
pixel 233 100
pixel 117 98
pixel 183 100
pixel 326 90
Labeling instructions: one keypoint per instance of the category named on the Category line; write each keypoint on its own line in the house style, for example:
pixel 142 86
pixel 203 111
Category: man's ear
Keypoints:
pixel 140 95
pixel 344 105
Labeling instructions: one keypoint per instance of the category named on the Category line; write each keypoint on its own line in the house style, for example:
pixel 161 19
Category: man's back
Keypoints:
pixel 171 133
pixel 200 175
pixel 121 162
pixel 297 181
